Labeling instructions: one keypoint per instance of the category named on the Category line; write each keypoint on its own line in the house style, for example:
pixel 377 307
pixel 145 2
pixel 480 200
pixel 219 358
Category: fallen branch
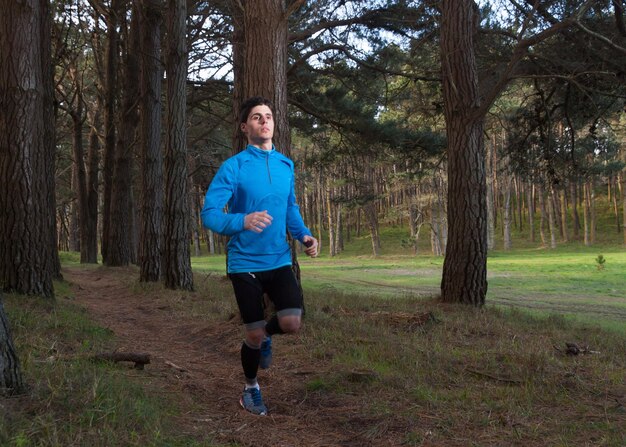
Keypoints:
pixel 574 349
pixel 175 366
pixel 140 359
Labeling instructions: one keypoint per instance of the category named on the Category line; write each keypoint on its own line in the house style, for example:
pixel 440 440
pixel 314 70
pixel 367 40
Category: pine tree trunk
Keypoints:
pixel 530 197
pixel 574 204
pixel 331 223
pixel 413 216
pixel 49 252
pixel 89 244
pixel 519 202
pixel 152 194
pixel 74 231
pixel 339 231
pixel 542 215
pixel 112 56
pixel 176 259
pixel 592 212
pixel 551 218
pixel 436 225
pixel 28 256
pixel 120 246
pixel 586 215
pixel 464 278
pixel 491 221
pixel 320 210
pixel 564 215
pixel 372 221
pixel 11 381
pixel 623 183
pixel 79 180
pixel 616 206
pixel 506 218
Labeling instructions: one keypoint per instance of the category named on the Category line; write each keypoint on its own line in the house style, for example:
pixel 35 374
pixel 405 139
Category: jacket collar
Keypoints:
pixel 255 150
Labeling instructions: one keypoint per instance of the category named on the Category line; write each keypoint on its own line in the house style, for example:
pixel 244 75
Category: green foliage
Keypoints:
pixel 600 261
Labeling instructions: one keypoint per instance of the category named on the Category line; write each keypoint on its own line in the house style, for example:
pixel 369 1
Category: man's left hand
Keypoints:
pixel 310 244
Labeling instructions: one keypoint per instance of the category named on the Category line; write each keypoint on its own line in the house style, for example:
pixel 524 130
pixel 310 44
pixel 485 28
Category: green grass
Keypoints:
pixel 565 281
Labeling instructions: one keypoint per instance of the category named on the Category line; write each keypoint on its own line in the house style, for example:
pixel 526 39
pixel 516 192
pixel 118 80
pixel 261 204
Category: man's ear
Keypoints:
pixel 243 127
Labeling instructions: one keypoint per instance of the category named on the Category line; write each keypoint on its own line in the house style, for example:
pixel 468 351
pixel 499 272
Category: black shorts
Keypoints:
pixel 281 287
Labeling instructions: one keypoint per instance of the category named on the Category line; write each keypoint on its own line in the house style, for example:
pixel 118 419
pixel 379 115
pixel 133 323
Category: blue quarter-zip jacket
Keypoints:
pixel 255 180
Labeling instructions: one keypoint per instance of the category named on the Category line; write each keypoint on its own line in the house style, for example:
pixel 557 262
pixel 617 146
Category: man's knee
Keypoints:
pixel 254 338
pixel 290 324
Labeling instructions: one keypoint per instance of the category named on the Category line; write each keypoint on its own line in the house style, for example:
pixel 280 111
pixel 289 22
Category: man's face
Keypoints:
pixel 259 128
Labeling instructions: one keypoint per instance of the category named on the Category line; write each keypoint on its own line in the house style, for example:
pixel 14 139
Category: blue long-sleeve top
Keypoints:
pixel 255 180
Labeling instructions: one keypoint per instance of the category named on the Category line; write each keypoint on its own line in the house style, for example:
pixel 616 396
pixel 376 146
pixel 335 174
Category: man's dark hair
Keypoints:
pixel 251 103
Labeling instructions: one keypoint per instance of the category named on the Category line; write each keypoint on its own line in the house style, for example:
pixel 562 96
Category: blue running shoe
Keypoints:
pixel 252 401
pixel 266 353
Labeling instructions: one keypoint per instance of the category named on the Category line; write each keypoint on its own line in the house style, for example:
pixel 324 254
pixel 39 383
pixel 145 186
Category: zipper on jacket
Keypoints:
pixel 267 163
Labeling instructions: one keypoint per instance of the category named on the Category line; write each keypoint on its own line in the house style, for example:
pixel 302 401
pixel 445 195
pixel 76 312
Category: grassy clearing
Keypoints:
pixel 71 400
pixel 565 281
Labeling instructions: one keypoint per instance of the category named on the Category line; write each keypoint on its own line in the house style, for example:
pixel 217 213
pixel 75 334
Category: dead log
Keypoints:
pixel 140 359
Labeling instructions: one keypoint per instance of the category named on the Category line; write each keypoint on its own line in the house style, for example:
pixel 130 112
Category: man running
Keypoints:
pixel 257 184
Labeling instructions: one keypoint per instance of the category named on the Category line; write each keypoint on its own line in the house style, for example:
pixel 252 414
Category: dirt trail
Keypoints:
pixel 209 355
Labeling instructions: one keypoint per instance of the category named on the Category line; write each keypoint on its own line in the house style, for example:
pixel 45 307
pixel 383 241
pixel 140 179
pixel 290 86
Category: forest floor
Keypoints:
pixel 198 362
pixel 364 372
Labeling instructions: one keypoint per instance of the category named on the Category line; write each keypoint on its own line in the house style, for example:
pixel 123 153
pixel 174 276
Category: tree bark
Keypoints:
pixel 574 204
pixel 530 197
pixel 624 205
pixel 551 217
pixel 563 203
pixel 592 212
pixel 150 239
pixel 491 222
pixel 11 381
pixel 586 215
pixel 89 246
pixel 112 56
pixel 332 245
pixel 28 256
pixel 176 257
pixel 464 276
pixel 543 215
pixel 49 252
pixel 264 62
pixel 506 217
pixel 79 182
pixel 121 249
pixel 615 204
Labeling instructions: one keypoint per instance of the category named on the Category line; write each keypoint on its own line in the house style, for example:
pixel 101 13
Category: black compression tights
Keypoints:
pixel 250 361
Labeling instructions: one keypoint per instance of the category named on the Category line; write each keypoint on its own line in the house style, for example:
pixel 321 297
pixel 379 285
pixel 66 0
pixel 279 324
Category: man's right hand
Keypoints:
pixel 257 221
